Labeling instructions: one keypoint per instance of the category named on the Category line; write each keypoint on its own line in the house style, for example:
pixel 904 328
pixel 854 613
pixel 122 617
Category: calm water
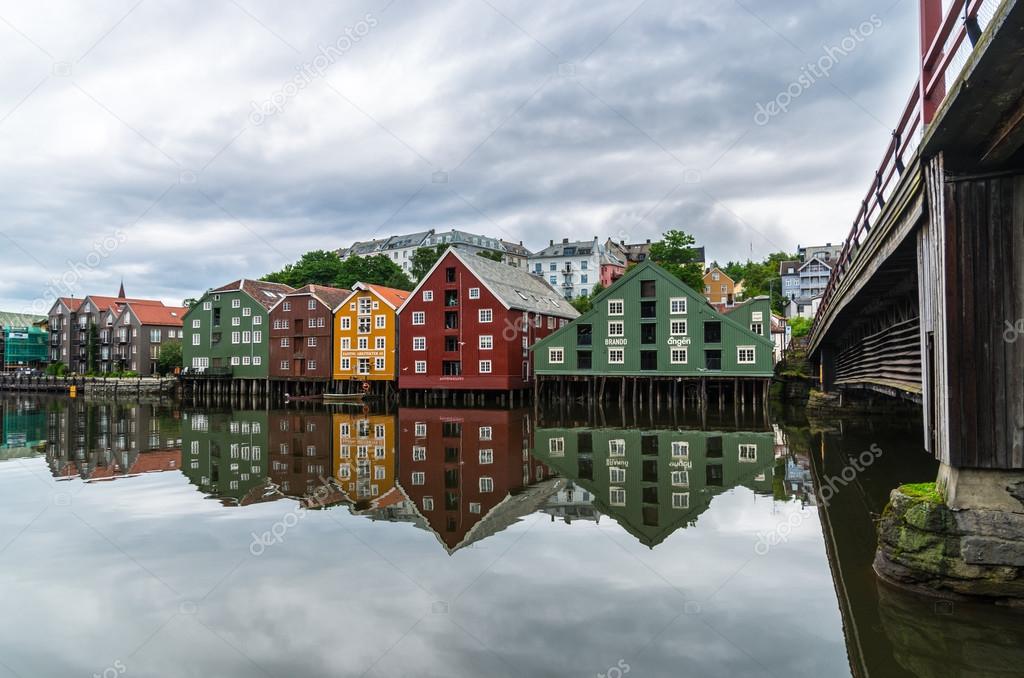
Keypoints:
pixel 152 541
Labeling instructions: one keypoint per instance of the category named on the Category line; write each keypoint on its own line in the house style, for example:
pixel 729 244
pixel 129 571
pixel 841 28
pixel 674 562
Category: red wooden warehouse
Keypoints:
pixel 469 324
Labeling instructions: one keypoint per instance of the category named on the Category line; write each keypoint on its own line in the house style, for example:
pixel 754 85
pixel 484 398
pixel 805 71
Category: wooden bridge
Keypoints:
pixel 927 297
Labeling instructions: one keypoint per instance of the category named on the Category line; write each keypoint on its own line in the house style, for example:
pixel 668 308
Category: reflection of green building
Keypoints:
pixel 655 482
pixel 22 347
pixel 225 455
pixel 22 429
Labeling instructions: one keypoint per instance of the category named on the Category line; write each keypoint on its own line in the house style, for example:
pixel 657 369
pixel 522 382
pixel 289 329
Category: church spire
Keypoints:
pixel 120 292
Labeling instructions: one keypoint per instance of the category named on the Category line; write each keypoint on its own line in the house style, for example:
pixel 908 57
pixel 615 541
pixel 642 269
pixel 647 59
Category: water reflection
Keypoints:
pixel 655 481
pixel 429 491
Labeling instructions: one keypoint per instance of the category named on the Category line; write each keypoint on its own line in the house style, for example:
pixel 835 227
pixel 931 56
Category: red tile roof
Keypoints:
pixel 330 296
pixel 168 316
pixel 393 297
pixel 105 303
pixel 72 303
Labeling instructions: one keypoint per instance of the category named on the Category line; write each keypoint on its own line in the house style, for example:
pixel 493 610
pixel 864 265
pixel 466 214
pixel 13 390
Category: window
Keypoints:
pixel 712 332
pixel 346 323
pixel 748 453
pixel 617 496
pixel 681 500
pixel 419 343
pixel 206 307
pixel 421 367
pixel 745 355
pixel 346 343
pixel 285 342
pixel 428 295
pixel 757 328
pixel 715 276
pixel 419 453
pixel 285 364
pixel 246 312
pixel 257 336
pixel 474 507
pixel 247 337
pixel 681 478
pixel 378 364
pixel 486 484
pixel 449 274
pixel 419 318
pixel 236 337
pixel 616 474
pixel 615 307
pixel 486 342
pixel 616 328
pixel 195 324
pixel 678 328
pixel 677 305
pixel 235 303
pixel 757 316
pixel 256 360
pixel 616 356
pixel 617 447
pixel 195 339
pixel 235 360
pixel 311 304
pixel 556 447
pixel 419 478
pixel 310 364
pixel 257 320
pixel 378 343
pixel 236 321
pixel 428 503
pixel 648 288
pixel 474 292
pixel 486 456
pixel 680 449
pixel 311 341
pixel 485 367
pixel 679 356
pixel 556 355
pixel 420 429
pixel 380 321
pixel 485 315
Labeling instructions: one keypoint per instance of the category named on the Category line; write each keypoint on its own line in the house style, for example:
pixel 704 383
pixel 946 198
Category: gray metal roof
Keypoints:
pixel 516 287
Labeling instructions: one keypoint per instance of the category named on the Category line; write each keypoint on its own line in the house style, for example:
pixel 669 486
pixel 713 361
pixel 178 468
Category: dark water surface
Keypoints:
pixel 153 541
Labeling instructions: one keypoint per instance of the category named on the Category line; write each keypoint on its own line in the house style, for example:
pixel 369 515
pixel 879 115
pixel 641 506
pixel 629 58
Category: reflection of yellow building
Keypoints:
pixel 364 456
pixel 364 333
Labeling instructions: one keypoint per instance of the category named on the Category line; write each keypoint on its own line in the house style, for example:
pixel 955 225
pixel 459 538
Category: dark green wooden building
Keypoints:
pixel 652 332
pixel 654 482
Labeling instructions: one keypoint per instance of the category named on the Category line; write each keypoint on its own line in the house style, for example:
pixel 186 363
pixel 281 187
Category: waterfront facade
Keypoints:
pixel 226 330
pixel 23 341
pixel 225 455
pixel 300 328
pixel 138 334
pixel 469 324
pixel 719 288
pixel 651 324
pixel 366 333
pixel 364 457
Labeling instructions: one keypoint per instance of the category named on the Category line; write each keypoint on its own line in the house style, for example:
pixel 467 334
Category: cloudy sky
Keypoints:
pixel 183 144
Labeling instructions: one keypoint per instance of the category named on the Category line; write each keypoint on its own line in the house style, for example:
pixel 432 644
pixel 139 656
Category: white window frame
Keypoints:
pixel 428 295
pixel 485 315
pixel 485 342
pixel 741 359
pixel 616 474
pixel 617 447
pixel 617 496
pixel 619 352
pixel 674 302
pixel 619 325
pixel 674 355
pixel 486 484
pixel 486 456
pixel 474 292
pixel 616 307
pixel 419 343
pixel 680 449
pixel 673 327
pixel 486 366
pixel 419 318
pixel 421 367
pixel 556 355
pixel 747 453
pixel 681 500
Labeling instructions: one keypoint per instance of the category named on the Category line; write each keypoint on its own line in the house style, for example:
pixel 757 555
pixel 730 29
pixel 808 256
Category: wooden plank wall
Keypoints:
pixel 931 295
pixel 984 281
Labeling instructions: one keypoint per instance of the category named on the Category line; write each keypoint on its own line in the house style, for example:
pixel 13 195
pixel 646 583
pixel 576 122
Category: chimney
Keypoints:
pixel 565 241
pixel 648 241
pixel 550 243
pixel 520 243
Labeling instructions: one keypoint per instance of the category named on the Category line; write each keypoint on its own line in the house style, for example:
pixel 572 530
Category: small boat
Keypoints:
pixel 308 398
pixel 344 397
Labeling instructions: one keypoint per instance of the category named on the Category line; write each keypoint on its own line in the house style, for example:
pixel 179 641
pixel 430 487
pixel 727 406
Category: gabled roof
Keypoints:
pixel 408 240
pixel 71 303
pixel 724 274
pixel 389 295
pixel 265 293
pixel 786 265
pixel 11 319
pixel 331 297
pixel 115 303
pixel 820 261
pixel 165 316
pixel 579 248
pixel 517 249
pixel 514 287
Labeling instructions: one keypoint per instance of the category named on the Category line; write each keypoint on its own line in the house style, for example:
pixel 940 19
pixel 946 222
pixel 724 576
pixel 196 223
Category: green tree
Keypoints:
pixel 596 290
pixel 170 357
pixel 582 303
pixel 424 258
pixel 761 277
pixel 801 326
pixel 190 302
pixel 674 253
pixel 493 255
pixel 321 267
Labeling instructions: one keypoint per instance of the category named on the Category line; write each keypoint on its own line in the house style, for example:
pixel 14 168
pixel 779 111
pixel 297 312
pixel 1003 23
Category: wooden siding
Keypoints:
pixel 628 290
pixel 984 285
pixel 389 333
pixel 292 320
pixel 364 456
pixel 300 452
pixel 512 331
pixel 220 351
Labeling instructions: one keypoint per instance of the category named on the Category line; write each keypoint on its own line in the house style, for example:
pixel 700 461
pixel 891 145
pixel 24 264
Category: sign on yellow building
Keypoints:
pixel 364 456
pixel 365 326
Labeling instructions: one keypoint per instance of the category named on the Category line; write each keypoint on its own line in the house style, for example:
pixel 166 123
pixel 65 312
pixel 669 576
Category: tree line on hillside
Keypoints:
pixel 674 252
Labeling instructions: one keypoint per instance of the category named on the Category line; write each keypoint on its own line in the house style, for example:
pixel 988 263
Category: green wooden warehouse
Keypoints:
pixel 649 336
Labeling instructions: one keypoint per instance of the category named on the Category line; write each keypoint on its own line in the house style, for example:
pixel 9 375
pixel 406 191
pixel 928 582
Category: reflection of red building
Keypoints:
pixel 300 451
pixel 460 467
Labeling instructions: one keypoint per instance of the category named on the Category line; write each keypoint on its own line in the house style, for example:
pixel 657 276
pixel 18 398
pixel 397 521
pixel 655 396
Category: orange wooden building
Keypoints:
pixel 365 334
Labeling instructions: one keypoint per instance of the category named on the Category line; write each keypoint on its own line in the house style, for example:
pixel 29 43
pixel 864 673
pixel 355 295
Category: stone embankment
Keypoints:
pixel 137 387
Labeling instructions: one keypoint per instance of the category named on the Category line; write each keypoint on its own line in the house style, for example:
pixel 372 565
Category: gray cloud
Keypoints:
pixel 585 118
